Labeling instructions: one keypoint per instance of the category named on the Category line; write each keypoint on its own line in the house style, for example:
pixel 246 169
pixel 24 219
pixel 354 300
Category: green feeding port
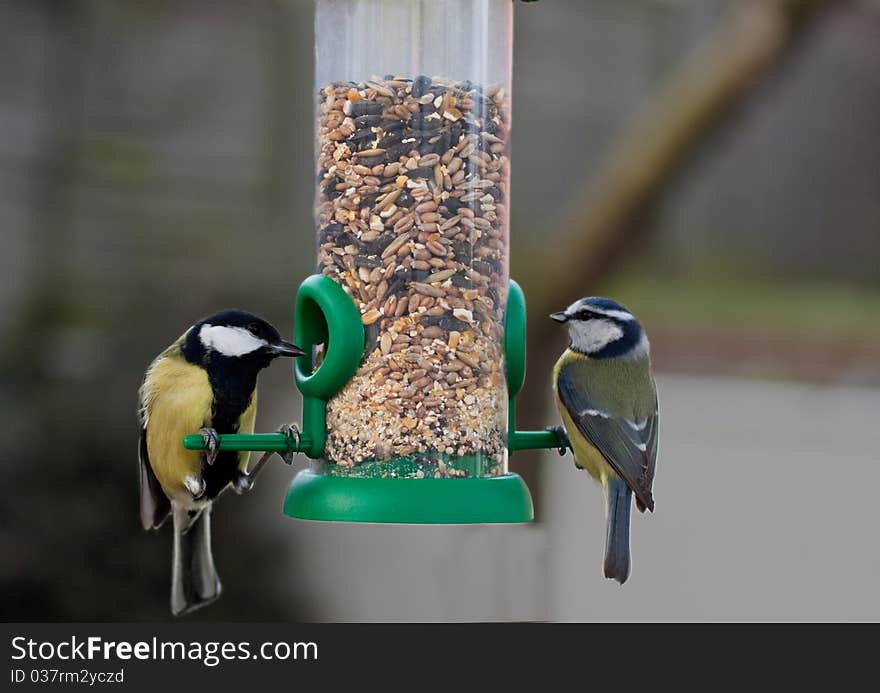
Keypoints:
pixel 465 490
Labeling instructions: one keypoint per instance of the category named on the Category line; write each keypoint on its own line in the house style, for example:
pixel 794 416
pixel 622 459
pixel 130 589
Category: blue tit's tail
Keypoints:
pixel 618 498
pixel 194 581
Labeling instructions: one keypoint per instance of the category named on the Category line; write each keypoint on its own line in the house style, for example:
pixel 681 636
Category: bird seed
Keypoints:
pixel 411 211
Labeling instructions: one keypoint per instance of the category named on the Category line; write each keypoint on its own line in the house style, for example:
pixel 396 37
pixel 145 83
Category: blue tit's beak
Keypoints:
pixel 282 348
pixel 560 316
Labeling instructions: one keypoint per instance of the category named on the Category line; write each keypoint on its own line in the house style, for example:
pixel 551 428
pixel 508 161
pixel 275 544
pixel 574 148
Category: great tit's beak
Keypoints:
pixel 560 316
pixel 282 348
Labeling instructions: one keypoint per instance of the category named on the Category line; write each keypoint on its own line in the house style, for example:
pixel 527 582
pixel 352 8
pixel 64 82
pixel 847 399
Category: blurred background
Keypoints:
pixel 713 164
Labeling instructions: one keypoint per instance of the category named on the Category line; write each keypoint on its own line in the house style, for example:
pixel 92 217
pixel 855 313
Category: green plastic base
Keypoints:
pixel 498 499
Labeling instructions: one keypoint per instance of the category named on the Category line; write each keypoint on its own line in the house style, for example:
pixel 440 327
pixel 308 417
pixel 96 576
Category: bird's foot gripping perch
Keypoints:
pixel 292 432
pixel 243 482
pixel 562 436
pixel 212 444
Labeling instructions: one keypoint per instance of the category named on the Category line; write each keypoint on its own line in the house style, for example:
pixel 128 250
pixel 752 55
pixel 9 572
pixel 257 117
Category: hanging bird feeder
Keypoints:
pixel 414 333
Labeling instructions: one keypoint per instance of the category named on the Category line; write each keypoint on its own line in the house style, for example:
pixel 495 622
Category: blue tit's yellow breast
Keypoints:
pixel 586 455
pixel 622 387
pixel 590 374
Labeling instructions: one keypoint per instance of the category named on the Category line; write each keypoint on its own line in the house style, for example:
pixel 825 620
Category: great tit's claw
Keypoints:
pixel 562 437
pixel 242 482
pixel 291 430
pixel 212 444
pixel 196 486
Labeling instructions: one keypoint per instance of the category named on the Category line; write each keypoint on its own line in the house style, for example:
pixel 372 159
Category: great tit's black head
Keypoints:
pixel 236 336
pixel 602 328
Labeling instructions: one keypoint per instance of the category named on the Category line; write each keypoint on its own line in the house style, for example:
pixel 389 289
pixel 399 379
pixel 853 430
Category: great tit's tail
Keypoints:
pixel 618 498
pixel 194 581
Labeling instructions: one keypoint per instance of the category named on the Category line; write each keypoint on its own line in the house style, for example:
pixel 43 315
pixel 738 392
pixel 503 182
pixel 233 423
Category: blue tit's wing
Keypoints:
pixel 155 506
pixel 628 445
pixel 651 439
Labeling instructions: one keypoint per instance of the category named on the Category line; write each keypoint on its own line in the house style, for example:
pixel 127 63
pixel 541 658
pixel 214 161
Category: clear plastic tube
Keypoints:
pixel 411 212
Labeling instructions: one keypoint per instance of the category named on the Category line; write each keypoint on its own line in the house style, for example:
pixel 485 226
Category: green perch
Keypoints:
pixel 281 442
pixel 326 314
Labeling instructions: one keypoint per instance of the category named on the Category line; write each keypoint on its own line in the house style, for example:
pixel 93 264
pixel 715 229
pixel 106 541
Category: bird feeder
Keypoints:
pixel 414 333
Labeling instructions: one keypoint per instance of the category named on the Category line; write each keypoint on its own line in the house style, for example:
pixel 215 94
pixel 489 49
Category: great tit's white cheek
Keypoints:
pixel 590 336
pixel 229 341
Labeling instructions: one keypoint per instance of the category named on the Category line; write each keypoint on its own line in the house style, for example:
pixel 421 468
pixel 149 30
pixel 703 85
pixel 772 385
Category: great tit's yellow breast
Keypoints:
pixel 246 425
pixel 179 399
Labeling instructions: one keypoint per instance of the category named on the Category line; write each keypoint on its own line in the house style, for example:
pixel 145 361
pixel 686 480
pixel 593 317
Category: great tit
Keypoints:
pixel 204 382
pixel 608 402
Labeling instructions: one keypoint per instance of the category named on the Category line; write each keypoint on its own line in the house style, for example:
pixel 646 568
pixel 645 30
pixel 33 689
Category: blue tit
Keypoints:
pixel 206 381
pixel 608 402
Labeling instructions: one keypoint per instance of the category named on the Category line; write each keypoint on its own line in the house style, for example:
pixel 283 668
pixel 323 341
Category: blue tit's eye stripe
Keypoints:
pixel 590 314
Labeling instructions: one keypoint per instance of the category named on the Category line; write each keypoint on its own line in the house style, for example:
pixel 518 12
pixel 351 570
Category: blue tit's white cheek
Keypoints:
pixel 591 336
pixel 229 341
